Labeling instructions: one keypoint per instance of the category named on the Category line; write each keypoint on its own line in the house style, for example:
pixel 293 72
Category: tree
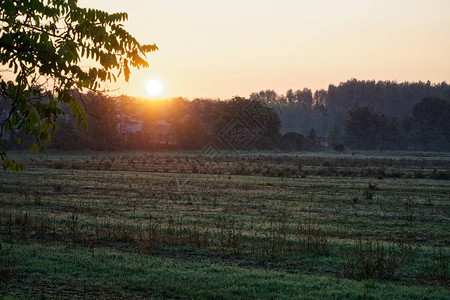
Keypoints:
pixel 290 97
pixel 42 44
pixel 368 129
pixel 429 125
pixel 258 120
pixel 265 96
pixel 304 96
pixel 294 141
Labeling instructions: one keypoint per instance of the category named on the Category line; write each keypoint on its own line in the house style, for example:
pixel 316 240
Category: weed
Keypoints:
pixel 58 165
pixel 313 239
pixel 438 267
pixel 57 188
pixel 229 234
pixel 419 174
pixel 123 233
pixel 24 222
pixel 375 260
pixel 37 200
pixel 368 194
pixel 74 227
pixel 381 173
pixel 372 187
pixel 148 241
pixel 409 210
pixel 7 270
pixel 443 175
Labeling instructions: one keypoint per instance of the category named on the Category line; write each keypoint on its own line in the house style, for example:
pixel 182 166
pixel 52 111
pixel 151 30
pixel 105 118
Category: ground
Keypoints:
pixel 257 225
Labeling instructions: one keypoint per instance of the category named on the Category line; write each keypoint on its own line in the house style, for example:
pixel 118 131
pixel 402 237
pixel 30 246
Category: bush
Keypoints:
pixel 368 194
pixel 444 175
pixel 438 267
pixel 339 147
pixel 373 260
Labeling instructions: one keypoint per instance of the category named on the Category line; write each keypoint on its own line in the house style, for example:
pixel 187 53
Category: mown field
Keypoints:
pixel 185 225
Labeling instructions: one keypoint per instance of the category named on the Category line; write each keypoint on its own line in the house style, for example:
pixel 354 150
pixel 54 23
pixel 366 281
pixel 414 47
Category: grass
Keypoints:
pixel 60 271
pixel 145 225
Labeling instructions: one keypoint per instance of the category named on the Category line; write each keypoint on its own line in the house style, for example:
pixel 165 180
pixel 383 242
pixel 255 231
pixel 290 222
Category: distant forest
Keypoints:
pixel 367 115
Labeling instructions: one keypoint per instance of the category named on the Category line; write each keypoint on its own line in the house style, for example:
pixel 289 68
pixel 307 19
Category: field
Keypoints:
pixel 185 225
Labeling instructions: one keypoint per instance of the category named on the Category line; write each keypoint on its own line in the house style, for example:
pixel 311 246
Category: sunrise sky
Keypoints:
pixel 235 47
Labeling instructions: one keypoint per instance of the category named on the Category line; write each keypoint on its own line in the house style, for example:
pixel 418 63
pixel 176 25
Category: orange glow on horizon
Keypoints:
pixel 223 49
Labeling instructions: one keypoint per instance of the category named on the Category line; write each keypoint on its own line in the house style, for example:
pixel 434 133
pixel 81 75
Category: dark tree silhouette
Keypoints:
pixel 369 129
pixel 429 124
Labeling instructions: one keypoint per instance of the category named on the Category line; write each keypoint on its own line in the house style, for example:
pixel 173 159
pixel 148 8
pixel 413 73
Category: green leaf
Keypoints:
pixel 53 54
pixel 33 148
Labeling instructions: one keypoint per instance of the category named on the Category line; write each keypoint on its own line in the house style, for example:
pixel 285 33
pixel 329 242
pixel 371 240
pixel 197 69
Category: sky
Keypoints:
pixel 221 49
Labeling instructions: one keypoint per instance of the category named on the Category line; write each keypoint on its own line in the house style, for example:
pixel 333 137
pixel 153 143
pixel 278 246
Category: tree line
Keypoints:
pixel 359 114
pixel 426 128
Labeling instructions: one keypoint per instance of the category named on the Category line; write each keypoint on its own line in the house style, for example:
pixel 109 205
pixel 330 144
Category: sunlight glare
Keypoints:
pixel 154 87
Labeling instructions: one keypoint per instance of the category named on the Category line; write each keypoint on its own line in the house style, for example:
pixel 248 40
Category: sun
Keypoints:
pixel 154 87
